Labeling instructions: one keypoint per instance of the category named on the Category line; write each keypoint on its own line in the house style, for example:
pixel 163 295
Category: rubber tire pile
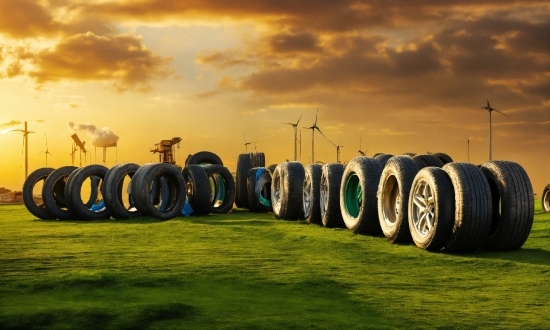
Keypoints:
pixel 427 199
pixel 158 190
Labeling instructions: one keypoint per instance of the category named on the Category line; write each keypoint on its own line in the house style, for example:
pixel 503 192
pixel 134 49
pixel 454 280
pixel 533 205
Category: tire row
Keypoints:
pixel 128 190
pixel 427 199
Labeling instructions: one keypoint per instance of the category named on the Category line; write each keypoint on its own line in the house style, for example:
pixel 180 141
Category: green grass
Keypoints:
pixel 251 271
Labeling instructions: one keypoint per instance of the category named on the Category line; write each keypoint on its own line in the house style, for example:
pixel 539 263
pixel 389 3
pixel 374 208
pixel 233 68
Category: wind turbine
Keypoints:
pixel 46 152
pixel 362 153
pixel 490 109
pixel 247 143
pixel 295 137
pixel 313 128
pixel 26 144
pixel 337 149
pixel 468 141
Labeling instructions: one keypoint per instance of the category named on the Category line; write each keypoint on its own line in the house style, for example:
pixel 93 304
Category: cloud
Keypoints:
pixel 10 123
pixel 101 137
pixel 254 112
pixel 120 59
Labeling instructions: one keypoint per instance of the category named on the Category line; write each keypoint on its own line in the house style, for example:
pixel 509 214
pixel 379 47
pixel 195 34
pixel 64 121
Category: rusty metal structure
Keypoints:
pixel 165 149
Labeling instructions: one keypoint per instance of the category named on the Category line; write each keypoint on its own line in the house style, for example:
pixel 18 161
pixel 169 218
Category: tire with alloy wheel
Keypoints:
pixel 513 205
pixel 38 210
pixel 198 189
pixel 473 208
pixel 393 198
pixel 311 197
pixel 53 193
pixel 431 208
pixel 95 208
pixel 259 190
pixel 244 164
pixel 287 191
pixel 358 202
pixel 222 188
pixel 545 200
pixel 114 194
pixel 329 187
pixel 173 190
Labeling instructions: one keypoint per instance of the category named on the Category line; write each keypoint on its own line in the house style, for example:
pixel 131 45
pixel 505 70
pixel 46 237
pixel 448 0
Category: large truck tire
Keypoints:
pixel 513 205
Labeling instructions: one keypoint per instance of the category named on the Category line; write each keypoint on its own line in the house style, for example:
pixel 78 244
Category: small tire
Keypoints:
pixel 222 186
pixel 431 208
pixel 287 191
pixel 445 159
pixel 244 164
pixel 513 205
pixel 473 208
pixel 259 190
pixel 329 193
pixel 112 191
pixel 172 198
pixel 382 159
pixel 73 192
pixel 39 211
pixel 358 202
pixel 198 189
pixel 271 168
pixel 427 160
pixel 545 199
pixel 53 193
pixel 393 198
pixel 311 191
pixel 257 159
pixel 203 157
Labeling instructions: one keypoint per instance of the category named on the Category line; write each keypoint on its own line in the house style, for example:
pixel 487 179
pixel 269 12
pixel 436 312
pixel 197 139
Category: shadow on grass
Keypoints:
pixel 523 255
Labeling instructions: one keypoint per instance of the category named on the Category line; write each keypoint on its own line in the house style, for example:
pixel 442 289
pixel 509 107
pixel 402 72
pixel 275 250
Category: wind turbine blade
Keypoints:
pixel 502 113
pixel 317 128
pixel 299 119
pixel 488 105
pixel 316 117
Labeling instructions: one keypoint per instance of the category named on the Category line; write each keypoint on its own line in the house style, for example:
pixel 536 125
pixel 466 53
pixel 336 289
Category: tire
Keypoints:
pixel 545 200
pixel 311 194
pixel 271 168
pixel 358 202
pixel 513 205
pixel 172 198
pixel 382 159
pixel 244 164
pixel 427 160
pixel 443 157
pixel 203 157
pixel 473 208
pixel 198 189
pixel 222 193
pixel 257 159
pixel 410 154
pixel 259 190
pixel 73 192
pixel 53 193
pixel 287 191
pixel 329 193
pixel 38 210
pixel 112 191
pixel 393 198
pixel 431 208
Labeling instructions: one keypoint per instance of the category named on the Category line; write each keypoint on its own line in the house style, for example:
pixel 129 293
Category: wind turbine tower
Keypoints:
pixel 26 144
pixel 295 137
pixel 468 141
pixel 46 152
pixel 313 128
pixel 490 109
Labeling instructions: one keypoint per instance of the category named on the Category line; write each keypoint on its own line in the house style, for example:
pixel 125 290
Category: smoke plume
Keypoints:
pixel 101 137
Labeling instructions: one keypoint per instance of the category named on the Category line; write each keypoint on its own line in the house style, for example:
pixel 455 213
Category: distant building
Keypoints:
pixel 8 196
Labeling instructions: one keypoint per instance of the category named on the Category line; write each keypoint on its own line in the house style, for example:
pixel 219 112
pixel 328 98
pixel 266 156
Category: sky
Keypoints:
pixel 385 76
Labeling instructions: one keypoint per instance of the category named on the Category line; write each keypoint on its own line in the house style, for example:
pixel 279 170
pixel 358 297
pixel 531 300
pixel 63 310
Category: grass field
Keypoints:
pixel 251 271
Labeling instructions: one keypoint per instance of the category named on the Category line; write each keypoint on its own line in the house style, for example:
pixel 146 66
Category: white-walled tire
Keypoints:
pixel 287 190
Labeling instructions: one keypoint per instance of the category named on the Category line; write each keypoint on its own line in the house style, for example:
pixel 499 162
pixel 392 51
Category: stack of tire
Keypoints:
pixel 427 199
pixel 158 190
pixel 253 183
